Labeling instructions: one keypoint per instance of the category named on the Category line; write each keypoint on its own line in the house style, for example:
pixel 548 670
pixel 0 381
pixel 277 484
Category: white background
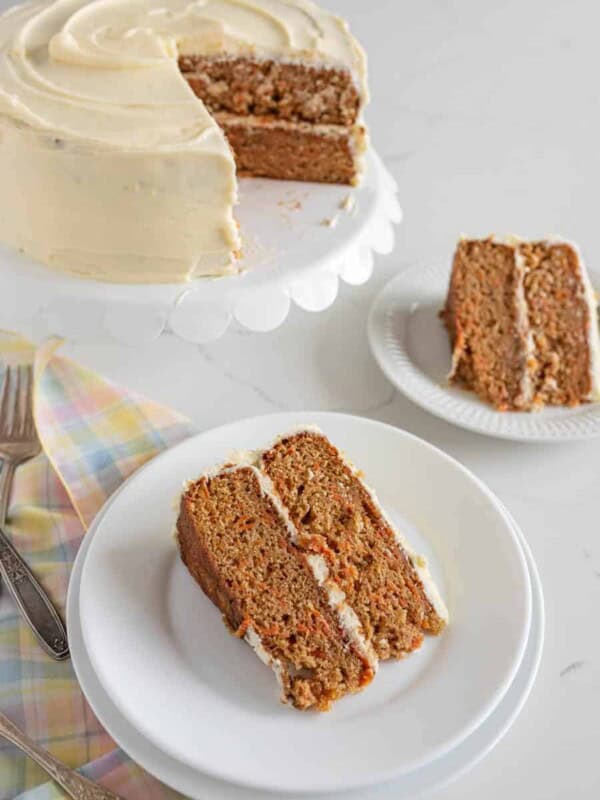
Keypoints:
pixel 487 112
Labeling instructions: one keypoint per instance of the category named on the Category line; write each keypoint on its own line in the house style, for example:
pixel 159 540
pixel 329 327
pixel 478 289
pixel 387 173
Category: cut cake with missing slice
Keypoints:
pixel 136 117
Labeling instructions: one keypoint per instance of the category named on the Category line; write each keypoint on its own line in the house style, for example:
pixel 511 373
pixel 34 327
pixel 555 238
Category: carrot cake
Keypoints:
pixel 133 116
pixel 522 321
pixel 294 549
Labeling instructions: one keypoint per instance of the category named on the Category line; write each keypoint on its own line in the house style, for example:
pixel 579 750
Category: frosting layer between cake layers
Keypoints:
pixel 522 319
pixel 119 171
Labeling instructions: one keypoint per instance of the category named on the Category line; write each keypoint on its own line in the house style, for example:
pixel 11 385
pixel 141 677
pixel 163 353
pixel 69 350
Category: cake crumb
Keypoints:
pixel 290 205
pixel 348 204
pixel 330 222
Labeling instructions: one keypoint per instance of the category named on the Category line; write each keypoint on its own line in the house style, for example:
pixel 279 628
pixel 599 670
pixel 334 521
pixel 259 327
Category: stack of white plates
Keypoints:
pixel 196 708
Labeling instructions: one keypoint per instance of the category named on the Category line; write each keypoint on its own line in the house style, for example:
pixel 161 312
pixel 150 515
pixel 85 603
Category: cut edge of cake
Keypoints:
pixel 587 294
pixel 535 383
pixel 278 149
pixel 348 623
pixel 591 300
pixel 336 598
pixel 286 117
pixel 417 562
pixel 406 632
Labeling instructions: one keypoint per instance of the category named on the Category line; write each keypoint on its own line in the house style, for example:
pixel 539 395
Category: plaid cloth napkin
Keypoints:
pixel 94 435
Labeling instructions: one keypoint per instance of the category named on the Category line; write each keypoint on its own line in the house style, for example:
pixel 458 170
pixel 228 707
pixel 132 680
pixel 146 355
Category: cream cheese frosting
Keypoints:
pixel 119 171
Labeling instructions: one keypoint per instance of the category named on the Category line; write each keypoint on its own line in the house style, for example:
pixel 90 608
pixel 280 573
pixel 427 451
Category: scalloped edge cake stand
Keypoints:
pixel 300 240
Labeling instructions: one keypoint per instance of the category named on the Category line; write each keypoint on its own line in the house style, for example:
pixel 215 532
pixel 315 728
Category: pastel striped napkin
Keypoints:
pixel 94 435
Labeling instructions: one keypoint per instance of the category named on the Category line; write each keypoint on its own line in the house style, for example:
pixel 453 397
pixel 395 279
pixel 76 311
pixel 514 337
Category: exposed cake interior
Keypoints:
pixel 559 317
pixel 522 321
pixel 485 321
pixel 338 518
pixel 293 151
pixel 237 545
pixel 284 120
pixel 267 88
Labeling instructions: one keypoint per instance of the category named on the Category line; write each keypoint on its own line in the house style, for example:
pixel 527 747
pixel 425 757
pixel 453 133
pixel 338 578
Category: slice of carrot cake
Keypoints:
pixel 522 321
pixel 294 549
pixel 239 544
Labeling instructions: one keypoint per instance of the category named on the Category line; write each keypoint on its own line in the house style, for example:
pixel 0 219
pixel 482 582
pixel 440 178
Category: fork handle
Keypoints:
pixel 6 479
pixel 75 785
pixel 33 601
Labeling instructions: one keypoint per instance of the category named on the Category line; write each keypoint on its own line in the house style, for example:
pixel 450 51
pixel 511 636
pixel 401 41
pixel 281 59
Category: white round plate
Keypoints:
pixel 411 346
pixel 160 650
pixel 200 787
pixel 290 255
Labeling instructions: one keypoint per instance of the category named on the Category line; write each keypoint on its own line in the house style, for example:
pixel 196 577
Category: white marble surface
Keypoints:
pixel 488 115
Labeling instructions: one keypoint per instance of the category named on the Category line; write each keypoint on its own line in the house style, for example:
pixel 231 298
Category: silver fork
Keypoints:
pixel 74 784
pixel 18 443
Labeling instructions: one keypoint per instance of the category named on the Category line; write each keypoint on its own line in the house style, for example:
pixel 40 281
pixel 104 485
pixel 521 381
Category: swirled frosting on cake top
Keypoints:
pixel 122 173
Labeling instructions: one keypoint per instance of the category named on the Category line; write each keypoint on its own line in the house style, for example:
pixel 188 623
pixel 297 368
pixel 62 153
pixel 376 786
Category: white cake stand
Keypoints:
pixel 299 239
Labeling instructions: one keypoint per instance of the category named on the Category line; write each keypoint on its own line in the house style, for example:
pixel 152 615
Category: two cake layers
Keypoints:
pixel 522 320
pixel 295 551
